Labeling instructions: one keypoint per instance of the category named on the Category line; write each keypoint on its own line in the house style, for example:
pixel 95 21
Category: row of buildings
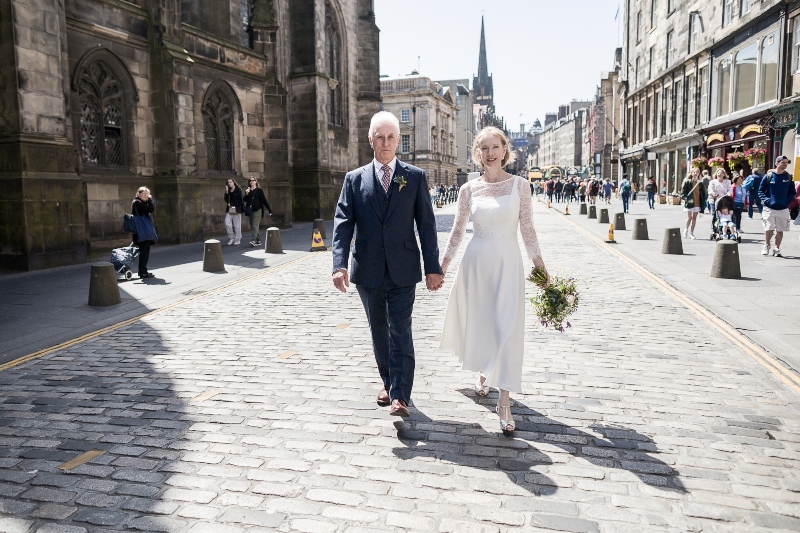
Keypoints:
pixel 693 80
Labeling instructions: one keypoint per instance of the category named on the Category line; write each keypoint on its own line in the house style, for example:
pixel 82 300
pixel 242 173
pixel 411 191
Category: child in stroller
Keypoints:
pixel 122 258
pixel 725 227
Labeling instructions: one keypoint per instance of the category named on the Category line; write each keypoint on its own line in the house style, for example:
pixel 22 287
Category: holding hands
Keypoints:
pixel 434 282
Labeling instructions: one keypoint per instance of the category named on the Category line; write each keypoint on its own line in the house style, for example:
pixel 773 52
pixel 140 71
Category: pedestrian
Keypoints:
pixel 650 189
pixel 549 188
pixel 433 195
pixel 794 207
pixel 776 191
pixel 694 195
pixel 386 264
pixel 594 190
pixel 582 191
pixel 234 207
pixel 607 191
pixel 751 185
pixel 718 187
pixel 255 199
pixel 739 200
pixel 484 323
pixel 142 206
pixel 625 192
pixel 706 178
pixel 558 188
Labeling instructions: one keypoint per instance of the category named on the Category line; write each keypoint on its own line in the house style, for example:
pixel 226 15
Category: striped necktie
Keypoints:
pixel 387 172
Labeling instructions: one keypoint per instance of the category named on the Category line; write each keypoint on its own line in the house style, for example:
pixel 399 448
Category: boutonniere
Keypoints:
pixel 400 181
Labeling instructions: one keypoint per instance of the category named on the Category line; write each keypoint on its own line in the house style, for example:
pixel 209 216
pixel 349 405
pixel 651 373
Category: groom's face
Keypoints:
pixel 384 142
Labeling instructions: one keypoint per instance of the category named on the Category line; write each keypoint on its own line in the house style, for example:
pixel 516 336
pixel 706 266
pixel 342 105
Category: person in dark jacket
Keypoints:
pixel 694 195
pixel 255 199
pixel 142 206
pixel 650 189
pixel 751 185
pixel 234 207
pixel 776 192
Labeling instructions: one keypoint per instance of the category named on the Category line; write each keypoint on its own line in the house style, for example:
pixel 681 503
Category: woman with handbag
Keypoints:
pixel 255 203
pixel 234 206
pixel 694 195
pixel 141 207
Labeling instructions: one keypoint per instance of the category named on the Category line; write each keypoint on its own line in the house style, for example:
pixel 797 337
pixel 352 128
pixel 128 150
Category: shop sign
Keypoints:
pixel 715 137
pixel 786 116
pixel 752 128
pixel 652 156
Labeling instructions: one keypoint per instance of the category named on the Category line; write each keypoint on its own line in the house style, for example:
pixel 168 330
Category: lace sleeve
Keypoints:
pixel 460 223
pixel 526 220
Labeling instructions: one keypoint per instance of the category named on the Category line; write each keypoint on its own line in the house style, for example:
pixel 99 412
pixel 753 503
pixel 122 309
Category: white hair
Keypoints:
pixel 380 118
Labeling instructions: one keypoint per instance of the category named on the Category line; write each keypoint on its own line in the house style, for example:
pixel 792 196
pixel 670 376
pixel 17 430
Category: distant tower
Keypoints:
pixel 482 83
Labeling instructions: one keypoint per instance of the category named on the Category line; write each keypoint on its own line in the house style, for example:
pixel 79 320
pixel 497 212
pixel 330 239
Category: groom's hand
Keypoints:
pixel 434 281
pixel 340 280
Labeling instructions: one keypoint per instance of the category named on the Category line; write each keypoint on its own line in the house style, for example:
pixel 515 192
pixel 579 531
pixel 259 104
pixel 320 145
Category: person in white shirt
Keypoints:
pixel 717 188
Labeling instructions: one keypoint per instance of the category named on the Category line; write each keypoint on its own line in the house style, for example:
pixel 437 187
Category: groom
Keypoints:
pixel 380 203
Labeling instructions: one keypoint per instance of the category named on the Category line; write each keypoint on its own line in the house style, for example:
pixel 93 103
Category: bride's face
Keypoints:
pixel 492 152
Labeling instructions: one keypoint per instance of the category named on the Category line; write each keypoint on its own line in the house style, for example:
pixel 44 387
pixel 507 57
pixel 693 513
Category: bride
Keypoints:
pixel 485 318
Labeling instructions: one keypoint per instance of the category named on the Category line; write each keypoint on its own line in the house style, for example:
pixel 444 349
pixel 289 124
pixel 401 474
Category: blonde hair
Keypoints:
pixel 491 131
pixel 140 191
pixel 724 173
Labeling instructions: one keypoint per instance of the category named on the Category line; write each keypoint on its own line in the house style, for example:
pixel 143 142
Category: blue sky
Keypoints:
pixel 541 53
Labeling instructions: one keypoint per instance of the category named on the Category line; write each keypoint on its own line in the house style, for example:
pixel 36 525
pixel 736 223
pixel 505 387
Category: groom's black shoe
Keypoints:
pixel 383 398
pixel 399 408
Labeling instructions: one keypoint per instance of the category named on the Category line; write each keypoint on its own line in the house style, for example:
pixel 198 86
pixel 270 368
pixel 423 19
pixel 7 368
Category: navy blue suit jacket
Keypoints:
pixel 384 234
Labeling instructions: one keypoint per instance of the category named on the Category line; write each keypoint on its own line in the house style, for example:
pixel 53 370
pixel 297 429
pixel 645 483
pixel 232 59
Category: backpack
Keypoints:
pixel 748 183
pixel 626 186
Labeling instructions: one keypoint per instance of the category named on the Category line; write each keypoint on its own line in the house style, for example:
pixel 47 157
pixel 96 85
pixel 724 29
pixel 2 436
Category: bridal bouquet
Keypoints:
pixel 556 301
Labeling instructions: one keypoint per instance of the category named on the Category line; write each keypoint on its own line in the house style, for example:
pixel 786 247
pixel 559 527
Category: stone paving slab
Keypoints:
pixel 616 433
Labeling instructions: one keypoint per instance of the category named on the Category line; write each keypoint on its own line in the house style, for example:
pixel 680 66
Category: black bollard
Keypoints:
pixel 592 211
pixel 673 244
pixel 103 288
pixel 603 216
pixel 619 221
pixel 640 230
pixel 726 261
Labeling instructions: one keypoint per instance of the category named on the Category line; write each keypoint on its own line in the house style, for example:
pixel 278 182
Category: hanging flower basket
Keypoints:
pixel 756 156
pixel 735 160
pixel 716 162
pixel 699 162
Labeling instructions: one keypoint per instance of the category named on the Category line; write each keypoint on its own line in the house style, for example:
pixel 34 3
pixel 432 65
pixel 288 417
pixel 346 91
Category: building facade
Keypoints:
pixel 101 97
pixel 465 123
pixel 564 142
pixel 701 79
pixel 427 114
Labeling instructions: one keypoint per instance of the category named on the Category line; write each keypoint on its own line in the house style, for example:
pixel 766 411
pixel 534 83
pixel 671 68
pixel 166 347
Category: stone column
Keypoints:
pixel 368 96
pixel 42 207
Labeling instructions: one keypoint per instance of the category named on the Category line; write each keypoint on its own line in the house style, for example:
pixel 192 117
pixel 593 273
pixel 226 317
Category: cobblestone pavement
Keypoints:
pixel 207 427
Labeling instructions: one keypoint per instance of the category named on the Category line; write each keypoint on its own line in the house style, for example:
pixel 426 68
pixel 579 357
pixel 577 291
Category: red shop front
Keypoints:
pixel 739 139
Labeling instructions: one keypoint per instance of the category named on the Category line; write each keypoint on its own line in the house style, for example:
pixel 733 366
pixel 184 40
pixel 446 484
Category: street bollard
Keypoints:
pixel 592 211
pixel 726 261
pixel 672 242
pixel 212 256
pixel 603 216
pixel 619 221
pixel 320 225
pixel 640 230
pixel 103 288
pixel 583 210
pixel 274 244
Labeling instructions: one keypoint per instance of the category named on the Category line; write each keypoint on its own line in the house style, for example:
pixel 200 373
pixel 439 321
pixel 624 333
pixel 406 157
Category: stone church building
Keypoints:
pixel 100 97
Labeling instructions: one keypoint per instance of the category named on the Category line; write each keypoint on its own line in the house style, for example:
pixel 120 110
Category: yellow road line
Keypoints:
pixel 82 458
pixel 735 336
pixel 99 332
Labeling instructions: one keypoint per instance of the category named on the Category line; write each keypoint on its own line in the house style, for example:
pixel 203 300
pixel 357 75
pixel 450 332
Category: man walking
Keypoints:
pixel 380 203
pixel 625 192
pixel 751 185
pixel 776 192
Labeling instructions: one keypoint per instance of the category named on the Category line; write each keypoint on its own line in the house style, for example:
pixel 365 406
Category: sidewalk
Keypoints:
pixel 47 307
pixel 762 305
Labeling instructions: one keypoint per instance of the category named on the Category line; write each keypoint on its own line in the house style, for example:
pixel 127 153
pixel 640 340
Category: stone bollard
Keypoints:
pixel 592 211
pixel 320 225
pixel 212 256
pixel 619 221
pixel 274 244
pixel 640 230
pixel 672 242
pixel 603 216
pixel 726 261
pixel 583 210
pixel 103 288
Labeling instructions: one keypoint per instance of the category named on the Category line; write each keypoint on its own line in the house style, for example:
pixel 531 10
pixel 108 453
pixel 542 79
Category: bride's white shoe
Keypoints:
pixel 506 419
pixel 480 390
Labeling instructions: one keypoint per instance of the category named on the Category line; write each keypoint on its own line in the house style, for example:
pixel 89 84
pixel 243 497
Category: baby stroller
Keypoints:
pixel 721 221
pixel 122 258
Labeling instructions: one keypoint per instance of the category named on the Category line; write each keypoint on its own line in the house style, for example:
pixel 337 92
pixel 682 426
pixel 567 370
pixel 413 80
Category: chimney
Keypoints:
pixel 549 118
pixel 563 111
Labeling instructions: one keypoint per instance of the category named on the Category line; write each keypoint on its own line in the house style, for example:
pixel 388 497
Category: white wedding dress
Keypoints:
pixel 485 319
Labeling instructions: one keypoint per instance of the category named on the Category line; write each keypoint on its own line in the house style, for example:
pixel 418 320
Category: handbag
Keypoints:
pixel 248 209
pixel 794 212
pixel 128 223
pixel 145 231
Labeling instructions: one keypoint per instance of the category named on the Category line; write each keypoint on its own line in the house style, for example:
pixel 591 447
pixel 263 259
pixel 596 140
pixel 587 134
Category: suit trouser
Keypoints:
pixel 388 309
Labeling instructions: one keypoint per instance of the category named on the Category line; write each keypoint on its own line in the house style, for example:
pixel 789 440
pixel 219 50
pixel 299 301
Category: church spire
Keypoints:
pixel 483 68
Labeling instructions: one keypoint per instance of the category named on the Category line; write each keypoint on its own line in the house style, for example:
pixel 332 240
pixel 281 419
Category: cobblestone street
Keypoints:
pixel 207 426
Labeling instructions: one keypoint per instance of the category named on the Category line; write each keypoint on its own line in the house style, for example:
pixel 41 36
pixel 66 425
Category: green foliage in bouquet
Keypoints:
pixel 556 301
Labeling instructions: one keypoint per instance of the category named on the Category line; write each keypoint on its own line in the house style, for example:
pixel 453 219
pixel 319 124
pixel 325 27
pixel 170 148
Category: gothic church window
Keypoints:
pixel 102 114
pixel 334 59
pixel 218 122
